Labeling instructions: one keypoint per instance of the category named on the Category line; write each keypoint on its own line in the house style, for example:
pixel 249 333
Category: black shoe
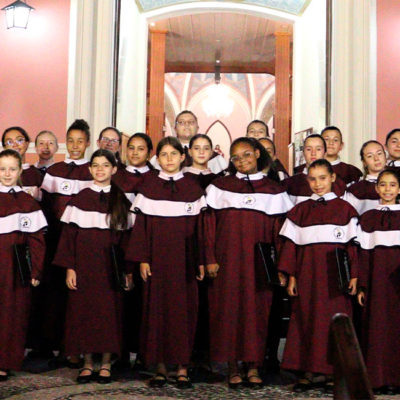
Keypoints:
pixel 392 390
pixel 3 378
pixel 303 385
pixel 159 380
pixel 380 390
pixel 183 382
pixel 85 378
pixel 104 379
pixel 329 385
pixel 235 385
pixel 74 365
pixel 254 385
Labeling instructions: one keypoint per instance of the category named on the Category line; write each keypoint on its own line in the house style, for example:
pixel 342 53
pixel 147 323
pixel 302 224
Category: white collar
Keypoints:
pixel 326 196
pixel 371 178
pixel 6 189
pixel 252 177
pixel 142 170
pixel 25 166
pixel 305 171
pixel 392 207
pixel 336 162
pixel 196 171
pixel 177 176
pixel 97 188
pixel 394 163
pixel 77 162
pixel 44 165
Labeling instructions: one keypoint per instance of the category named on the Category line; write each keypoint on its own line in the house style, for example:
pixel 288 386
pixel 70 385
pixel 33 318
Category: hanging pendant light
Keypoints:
pixel 17 14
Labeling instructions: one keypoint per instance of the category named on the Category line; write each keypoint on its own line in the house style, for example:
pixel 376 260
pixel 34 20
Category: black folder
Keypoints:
pixel 22 263
pixel 118 267
pixel 343 265
pixel 266 254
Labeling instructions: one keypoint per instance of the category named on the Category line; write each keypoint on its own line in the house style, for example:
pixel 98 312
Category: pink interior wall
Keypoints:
pixel 34 70
pixel 388 66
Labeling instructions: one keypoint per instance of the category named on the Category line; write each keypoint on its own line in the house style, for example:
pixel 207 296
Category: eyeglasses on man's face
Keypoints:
pixel 191 122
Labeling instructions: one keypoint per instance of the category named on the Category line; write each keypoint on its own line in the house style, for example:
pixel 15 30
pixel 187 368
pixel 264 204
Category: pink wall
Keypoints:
pixel 388 65
pixel 34 70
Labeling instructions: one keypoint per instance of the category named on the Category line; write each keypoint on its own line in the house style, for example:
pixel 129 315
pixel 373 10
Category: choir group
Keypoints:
pixel 186 227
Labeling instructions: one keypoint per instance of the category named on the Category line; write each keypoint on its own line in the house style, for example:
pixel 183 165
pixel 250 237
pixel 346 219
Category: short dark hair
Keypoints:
pixel 172 141
pixel 390 171
pixel 186 112
pixel 321 163
pixel 258 121
pixel 111 128
pixel 22 131
pixel 200 136
pixel 333 128
pixel 315 135
pixel 389 135
pixel 143 136
pixel 80 125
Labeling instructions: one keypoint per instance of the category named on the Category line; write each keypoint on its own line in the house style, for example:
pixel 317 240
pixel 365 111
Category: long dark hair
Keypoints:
pixel 118 204
pixel 148 142
pixel 264 161
pixel 321 162
pixel 172 141
pixel 22 131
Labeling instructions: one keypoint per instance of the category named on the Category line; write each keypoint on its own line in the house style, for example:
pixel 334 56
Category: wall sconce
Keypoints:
pixel 17 14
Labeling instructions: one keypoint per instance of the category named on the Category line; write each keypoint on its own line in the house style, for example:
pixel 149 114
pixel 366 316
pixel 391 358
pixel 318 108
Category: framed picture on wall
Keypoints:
pixel 296 157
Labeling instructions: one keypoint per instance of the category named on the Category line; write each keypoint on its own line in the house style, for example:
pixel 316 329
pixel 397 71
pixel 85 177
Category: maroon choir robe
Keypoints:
pixel 31 180
pixel 129 178
pixel 299 190
pixel 244 210
pixel 362 195
pixel 165 236
pixel 394 164
pixel 94 311
pixel 21 221
pixel 379 238
pixel 280 169
pixel 204 177
pixel 313 230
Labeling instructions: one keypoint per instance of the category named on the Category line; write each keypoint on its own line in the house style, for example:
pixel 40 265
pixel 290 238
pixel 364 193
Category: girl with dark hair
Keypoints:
pixel 138 152
pixel 93 221
pixel 379 239
pixel 393 147
pixel 245 208
pixel 362 195
pixel 313 230
pixel 201 150
pixel 21 223
pixel 17 138
pixel 297 186
pixel 277 167
pixel 164 242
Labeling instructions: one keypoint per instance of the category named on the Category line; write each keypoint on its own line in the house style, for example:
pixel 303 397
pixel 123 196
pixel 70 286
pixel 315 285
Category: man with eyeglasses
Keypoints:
pixel 186 126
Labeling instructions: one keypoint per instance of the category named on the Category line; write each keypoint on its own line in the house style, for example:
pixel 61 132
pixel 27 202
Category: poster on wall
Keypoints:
pixel 296 157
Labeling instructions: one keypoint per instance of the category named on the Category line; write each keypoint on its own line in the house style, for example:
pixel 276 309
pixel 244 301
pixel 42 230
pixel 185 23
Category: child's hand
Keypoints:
pixel 145 271
pixel 292 287
pixel 282 278
pixel 35 282
pixel 353 287
pixel 71 279
pixel 212 270
pixel 200 276
pixel 361 298
pixel 128 282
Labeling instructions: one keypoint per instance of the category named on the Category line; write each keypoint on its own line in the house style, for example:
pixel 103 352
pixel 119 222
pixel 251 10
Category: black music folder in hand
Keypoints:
pixel 343 265
pixel 265 253
pixel 22 263
pixel 118 267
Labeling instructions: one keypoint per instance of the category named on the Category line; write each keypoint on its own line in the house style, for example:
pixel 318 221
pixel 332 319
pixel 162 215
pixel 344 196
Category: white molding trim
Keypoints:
pixel 354 73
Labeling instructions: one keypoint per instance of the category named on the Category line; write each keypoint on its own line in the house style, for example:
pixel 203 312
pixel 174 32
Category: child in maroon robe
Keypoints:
pixel 362 195
pixel 17 138
pixel 21 222
pixel 379 238
pixel 164 241
pixel 393 148
pixel 246 207
pixel 313 230
pixel 93 221
pixel 277 171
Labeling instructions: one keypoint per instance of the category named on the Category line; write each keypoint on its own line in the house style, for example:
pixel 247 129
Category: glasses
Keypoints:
pixel 184 123
pixel 246 155
pixel 106 140
pixel 10 142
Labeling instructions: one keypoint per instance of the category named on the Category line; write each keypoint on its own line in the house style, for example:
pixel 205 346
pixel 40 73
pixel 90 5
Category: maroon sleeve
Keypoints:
pixel 200 239
pixel 287 261
pixel 139 246
pixel 353 253
pixel 65 255
pixel 278 240
pixel 364 268
pixel 209 232
pixel 37 247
